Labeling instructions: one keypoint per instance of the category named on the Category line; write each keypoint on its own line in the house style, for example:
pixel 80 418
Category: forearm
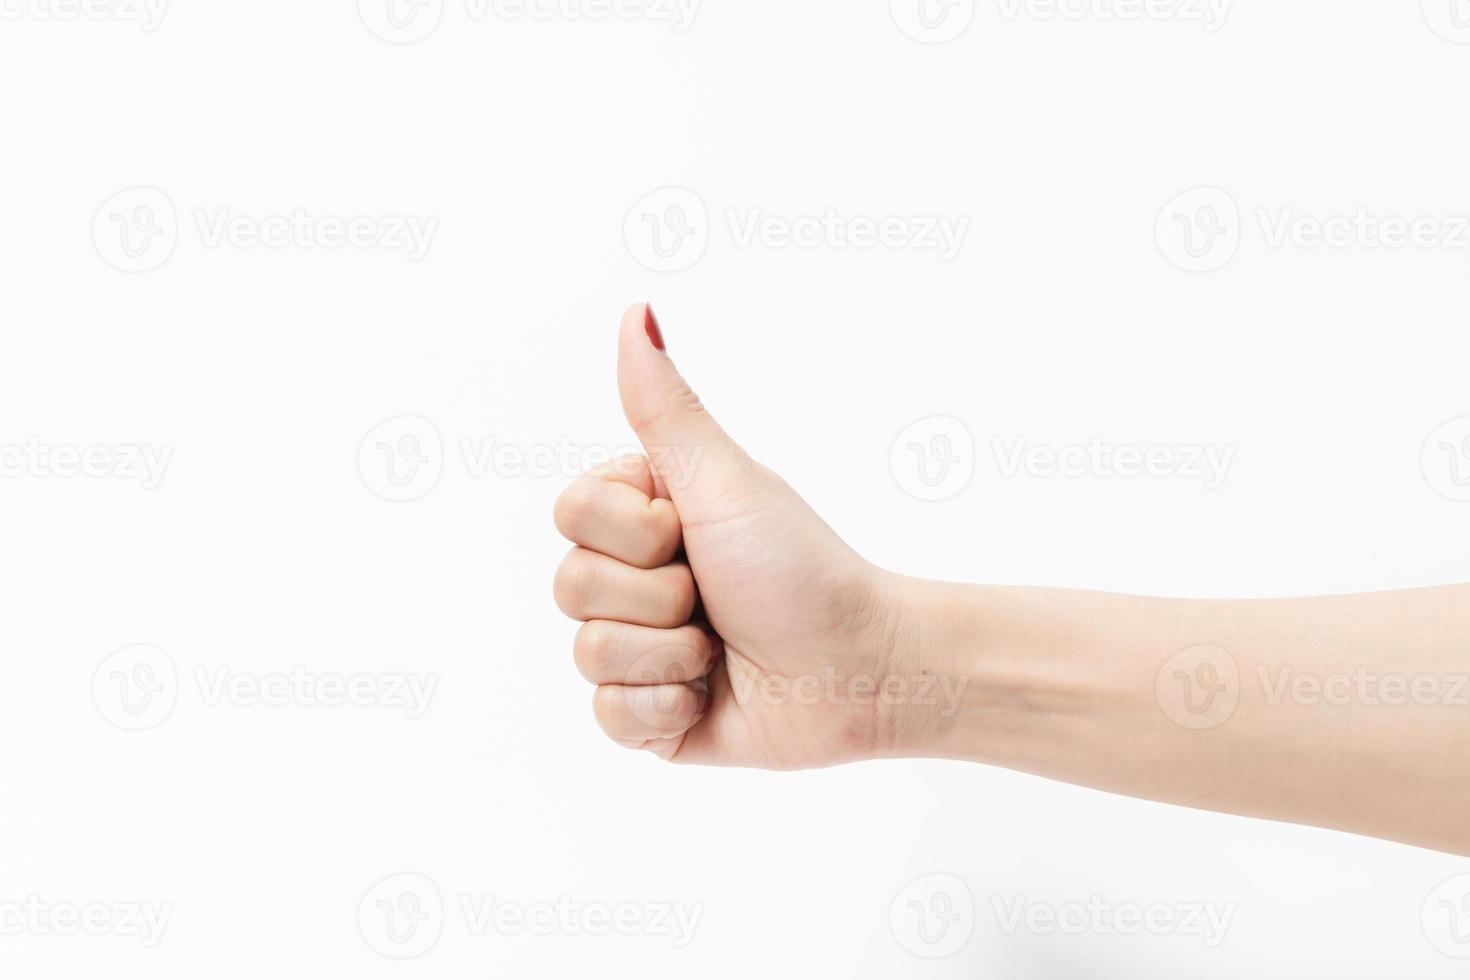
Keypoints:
pixel 1351 712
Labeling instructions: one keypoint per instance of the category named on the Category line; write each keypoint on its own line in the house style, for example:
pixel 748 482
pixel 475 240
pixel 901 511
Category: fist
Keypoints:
pixel 636 601
pixel 723 622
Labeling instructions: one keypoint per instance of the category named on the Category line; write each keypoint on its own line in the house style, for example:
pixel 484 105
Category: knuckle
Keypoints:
pixel 669 700
pixel 681 401
pixel 574 508
pixel 573 584
pixel 684 658
pixel 682 594
pixel 699 652
pixel 629 466
pixel 589 650
pixel 662 531
pixel 606 706
pixel 674 705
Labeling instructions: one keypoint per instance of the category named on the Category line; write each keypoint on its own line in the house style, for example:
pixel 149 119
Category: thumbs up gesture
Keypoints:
pixel 723 622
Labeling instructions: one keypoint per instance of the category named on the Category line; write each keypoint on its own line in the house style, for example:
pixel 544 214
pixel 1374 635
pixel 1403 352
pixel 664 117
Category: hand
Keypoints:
pixel 784 665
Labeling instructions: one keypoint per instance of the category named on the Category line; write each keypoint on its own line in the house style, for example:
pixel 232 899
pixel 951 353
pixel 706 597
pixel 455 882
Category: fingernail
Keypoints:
pixel 650 324
pixel 703 703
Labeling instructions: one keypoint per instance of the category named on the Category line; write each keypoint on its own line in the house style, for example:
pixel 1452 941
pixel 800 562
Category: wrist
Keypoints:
pixel 1004 676
pixel 932 667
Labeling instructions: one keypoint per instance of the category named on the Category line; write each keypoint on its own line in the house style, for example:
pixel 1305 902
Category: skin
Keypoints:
pixel 724 623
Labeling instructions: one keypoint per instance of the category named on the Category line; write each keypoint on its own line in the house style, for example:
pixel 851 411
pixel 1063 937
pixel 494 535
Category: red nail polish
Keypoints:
pixel 650 325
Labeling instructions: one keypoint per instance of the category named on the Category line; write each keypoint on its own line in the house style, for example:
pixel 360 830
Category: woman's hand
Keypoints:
pixel 725 623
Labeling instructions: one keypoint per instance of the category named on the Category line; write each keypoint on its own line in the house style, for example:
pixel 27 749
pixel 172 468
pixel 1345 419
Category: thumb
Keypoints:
pixel 692 455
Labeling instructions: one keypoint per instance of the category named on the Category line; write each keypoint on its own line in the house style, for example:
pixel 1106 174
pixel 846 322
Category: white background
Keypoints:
pixel 268 544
